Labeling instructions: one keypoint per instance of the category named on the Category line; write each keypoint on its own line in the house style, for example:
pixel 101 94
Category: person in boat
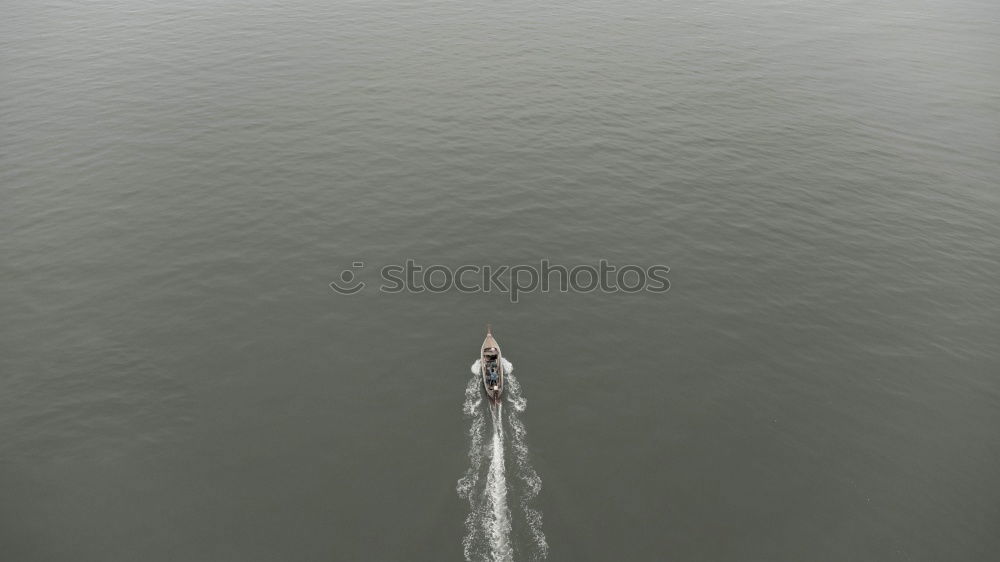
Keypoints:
pixel 492 373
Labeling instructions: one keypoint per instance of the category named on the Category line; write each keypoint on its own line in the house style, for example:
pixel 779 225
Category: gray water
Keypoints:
pixel 180 181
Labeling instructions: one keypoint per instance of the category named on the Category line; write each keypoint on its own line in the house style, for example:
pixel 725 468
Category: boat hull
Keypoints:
pixel 493 391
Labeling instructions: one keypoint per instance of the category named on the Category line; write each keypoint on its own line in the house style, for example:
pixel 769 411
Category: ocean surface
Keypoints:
pixel 180 181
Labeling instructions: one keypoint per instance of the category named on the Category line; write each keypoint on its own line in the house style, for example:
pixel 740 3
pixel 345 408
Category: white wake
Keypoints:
pixel 498 518
pixel 527 473
pixel 488 524
pixel 467 484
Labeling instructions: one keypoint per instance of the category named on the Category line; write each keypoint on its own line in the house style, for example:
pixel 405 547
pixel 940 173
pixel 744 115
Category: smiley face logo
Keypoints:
pixel 347 284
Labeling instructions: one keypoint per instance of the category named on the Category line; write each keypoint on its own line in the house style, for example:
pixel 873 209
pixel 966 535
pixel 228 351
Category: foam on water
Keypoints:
pixel 488 524
pixel 497 523
pixel 527 473
pixel 467 484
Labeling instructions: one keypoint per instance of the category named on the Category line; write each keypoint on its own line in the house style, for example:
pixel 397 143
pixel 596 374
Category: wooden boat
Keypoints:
pixel 491 367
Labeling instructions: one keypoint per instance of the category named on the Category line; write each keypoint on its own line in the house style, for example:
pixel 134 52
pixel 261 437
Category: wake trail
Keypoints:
pixel 488 523
pixel 525 471
pixel 467 484
pixel 498 521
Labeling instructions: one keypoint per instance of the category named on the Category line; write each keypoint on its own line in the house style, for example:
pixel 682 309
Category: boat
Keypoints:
pixel 491 367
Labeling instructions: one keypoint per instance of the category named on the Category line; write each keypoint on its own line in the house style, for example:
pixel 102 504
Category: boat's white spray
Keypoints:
pixel 527 473
pixel 488 524
pixel 497 522
pixel 467 484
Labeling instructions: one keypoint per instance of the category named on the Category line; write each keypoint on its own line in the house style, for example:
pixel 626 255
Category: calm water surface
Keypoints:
pixel 181 180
